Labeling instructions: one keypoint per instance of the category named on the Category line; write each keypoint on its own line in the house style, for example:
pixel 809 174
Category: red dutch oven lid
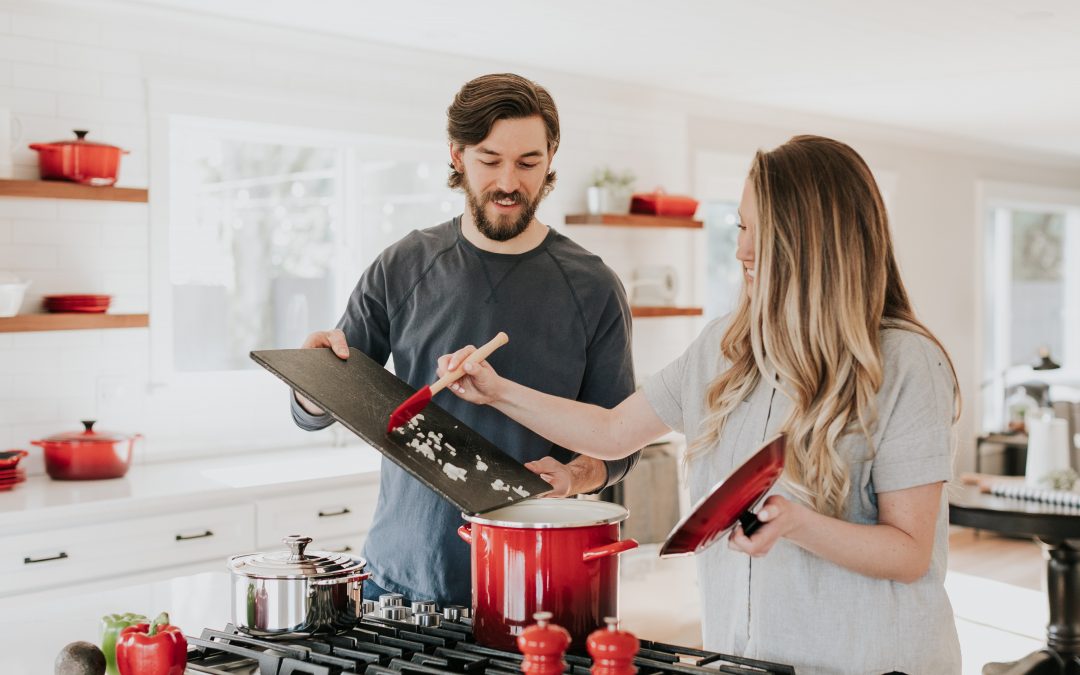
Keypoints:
pixel 729 502
pixel 80 140
pixel 88 435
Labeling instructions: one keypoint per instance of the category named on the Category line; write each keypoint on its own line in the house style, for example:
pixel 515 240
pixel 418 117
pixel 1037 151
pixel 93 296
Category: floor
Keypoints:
pixel 994 584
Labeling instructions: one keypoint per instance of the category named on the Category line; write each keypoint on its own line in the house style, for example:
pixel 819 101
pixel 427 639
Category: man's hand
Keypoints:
pixel 335 340
pixel 582 475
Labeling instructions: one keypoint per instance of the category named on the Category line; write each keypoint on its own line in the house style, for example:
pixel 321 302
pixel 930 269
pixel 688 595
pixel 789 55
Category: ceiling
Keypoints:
pixel 1004 71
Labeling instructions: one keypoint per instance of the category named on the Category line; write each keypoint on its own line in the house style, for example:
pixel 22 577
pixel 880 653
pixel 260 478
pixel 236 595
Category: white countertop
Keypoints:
pixel 43 502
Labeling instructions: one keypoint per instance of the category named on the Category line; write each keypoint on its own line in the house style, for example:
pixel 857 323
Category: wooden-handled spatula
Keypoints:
pixel 418 401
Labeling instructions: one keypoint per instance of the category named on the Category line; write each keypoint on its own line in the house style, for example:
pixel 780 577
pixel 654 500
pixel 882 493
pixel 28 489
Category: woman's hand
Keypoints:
pixel 779 518
pixel 480 384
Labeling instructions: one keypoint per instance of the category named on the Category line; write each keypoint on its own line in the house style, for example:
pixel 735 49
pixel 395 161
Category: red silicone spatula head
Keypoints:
pixel 407 410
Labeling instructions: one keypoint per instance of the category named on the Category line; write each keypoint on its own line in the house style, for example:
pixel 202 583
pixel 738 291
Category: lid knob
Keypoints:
pixel 296 544
pixel 612 650
pixel 89 425
pixel 81 134
pixel 543 645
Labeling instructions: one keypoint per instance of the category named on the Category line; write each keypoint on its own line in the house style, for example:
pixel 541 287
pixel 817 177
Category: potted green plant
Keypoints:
pixel 610 191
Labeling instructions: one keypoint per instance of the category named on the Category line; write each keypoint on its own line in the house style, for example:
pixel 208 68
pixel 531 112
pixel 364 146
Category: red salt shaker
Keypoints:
pixel 612 650
pixel 543 645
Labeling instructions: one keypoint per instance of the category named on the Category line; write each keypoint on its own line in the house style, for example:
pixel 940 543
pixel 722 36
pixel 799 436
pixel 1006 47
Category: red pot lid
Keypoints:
pixel 79 140
pixel 716 513
pixel 88 435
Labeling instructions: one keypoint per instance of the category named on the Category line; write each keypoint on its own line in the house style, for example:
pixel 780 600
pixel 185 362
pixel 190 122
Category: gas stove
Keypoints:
pixel 421 641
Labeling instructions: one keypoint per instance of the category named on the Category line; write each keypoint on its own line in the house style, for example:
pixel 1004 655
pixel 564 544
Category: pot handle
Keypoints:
pixel 606 550
pixel 465 532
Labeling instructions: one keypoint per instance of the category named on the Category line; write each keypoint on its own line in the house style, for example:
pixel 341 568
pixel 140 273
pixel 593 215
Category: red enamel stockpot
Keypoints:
pixel 87 454
pixel 79 160
pixel 552 555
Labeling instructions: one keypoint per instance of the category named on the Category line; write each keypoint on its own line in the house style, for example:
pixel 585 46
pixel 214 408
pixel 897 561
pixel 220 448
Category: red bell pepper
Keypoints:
pixel 152 649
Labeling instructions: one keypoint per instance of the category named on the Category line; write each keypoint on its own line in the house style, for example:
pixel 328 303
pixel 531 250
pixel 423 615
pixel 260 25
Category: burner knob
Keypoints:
pixel 394 613
pixel 427 619
pixel 369 607
pixel 612 650
pixel 543 645
pixel 452 612
pixel 391 600
pixel 419 606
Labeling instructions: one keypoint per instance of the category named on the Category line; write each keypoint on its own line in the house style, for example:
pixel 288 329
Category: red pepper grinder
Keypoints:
pixel 543 645
pixel 612 650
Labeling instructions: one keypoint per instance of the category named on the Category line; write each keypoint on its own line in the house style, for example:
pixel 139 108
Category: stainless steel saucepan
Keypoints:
pixel 293 592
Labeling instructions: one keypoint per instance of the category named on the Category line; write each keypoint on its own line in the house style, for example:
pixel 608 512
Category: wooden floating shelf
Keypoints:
pixel 27 323
pixel 642 311
pixel 55 189
pixel 631 220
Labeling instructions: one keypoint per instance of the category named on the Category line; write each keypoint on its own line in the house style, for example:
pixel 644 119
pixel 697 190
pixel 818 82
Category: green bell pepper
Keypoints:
pixel 111 625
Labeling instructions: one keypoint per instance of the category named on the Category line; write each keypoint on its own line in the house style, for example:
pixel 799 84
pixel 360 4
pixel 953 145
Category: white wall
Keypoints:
pixel 64 67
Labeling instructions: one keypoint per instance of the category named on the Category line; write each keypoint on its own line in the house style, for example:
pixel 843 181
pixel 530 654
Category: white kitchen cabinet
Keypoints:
pixel 67 555
pixel 335 517
pixel 191 514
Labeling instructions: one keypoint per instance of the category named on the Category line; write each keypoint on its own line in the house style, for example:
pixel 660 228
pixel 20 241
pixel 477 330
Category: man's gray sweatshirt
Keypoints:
pixel 434 292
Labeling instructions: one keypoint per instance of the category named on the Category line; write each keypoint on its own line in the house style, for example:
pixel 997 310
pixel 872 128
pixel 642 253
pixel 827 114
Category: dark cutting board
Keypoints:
pixel 361 394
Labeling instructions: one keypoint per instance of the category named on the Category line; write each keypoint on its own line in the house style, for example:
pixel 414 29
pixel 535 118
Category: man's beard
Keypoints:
pixel 505 227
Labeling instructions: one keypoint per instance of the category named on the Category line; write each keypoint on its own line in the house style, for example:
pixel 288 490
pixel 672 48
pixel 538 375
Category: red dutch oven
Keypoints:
pixel 87 454
pixel 79 160
pixel 552 555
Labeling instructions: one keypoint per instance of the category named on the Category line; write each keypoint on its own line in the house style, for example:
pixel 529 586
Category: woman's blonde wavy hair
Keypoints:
pixel 826 284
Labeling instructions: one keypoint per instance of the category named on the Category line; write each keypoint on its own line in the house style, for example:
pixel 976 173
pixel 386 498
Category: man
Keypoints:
pixel 494 268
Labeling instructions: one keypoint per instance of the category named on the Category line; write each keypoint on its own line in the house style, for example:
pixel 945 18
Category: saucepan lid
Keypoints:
pixel 295 563
pixel 730 501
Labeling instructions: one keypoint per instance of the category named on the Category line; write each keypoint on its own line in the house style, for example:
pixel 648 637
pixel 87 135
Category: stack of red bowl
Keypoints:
pixel 94 304
pixel 10 474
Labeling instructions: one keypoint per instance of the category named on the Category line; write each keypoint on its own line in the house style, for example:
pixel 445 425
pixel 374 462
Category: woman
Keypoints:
pixel 846 574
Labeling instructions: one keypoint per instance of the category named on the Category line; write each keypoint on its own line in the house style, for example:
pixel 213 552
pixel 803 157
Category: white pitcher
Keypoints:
pixel 1048 446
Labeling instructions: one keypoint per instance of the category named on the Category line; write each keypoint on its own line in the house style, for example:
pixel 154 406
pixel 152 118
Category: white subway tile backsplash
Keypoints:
pixel 60 339
pixel 22 410
pixel 5 22
pixel 27 257
pixel 44 209
pixel 51 385
pixel 100 110
pixel 138 37
pixel 127 338
pixel 71 410
pixel 27 50
pixel 103 212
pixel 128 283
pixel 55 78
pixel 55 232
pixel 118 234
pixel 54 28
pixel 123 87
pixel 64 280
pixel 6 73
pixel 32 101
pixel 6 227
pixel 101 59
pixel 29 361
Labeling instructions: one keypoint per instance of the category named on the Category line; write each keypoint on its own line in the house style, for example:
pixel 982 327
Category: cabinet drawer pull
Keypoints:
pixel 340 549
pixel 188 537
pixel 30 561
pixel 327 514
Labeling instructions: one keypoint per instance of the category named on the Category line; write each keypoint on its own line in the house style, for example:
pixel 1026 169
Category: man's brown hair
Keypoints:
pixel 489 98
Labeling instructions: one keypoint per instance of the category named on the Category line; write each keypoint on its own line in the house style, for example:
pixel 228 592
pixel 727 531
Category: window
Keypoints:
pixel 270 230
pixel 1031 290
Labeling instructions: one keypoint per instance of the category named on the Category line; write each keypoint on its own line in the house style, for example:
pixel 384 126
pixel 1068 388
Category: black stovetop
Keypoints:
pixel 379 646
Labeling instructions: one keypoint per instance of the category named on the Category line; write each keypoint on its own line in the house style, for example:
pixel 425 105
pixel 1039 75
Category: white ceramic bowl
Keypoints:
pixel 11 296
